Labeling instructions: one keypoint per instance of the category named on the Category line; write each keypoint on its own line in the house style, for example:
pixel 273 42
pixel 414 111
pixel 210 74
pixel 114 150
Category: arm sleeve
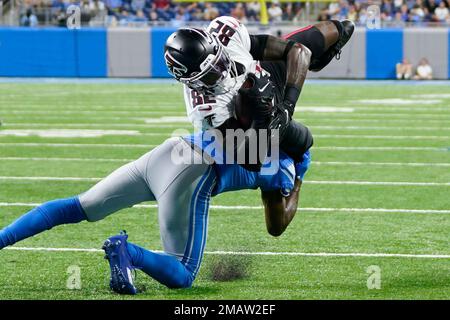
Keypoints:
pixel 258 45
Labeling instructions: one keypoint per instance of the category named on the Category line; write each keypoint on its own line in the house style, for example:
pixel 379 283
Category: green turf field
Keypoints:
pixel 378 193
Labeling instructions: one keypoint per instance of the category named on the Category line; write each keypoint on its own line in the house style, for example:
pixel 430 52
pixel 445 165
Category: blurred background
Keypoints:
pixel 395 39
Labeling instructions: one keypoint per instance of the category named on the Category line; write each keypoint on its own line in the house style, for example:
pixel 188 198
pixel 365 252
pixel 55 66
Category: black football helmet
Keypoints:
pixel 196 58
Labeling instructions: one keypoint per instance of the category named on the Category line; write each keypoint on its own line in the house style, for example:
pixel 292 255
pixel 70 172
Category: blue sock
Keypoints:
pixel 41 218
pixel 161 267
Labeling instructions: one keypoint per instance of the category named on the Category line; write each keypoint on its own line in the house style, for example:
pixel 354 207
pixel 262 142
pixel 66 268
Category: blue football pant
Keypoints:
pixel 183 192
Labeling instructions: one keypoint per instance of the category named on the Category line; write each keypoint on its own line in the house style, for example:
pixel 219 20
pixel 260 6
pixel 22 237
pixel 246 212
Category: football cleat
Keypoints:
pixel 348 27
pixel 116 252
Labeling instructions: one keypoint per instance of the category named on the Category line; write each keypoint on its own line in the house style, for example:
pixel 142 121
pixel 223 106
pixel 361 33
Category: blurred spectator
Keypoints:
pixel 417 13
pixel 98 12
pixel 404 13
pixel 137 5
pixel 253 10
pixel 441 12
pixel 342 12
pixel 124 17
pixel 239 12
pixel 404 70
pixel 113 5
pixel 393 12
pixel 334 8
pixel 275 12
pixel 140 17
pixel 398 4
pixel 29 19
pixel 387 10
pixel 210 12
pixel 424 70
pixel 431 5
pixel 162 4
pixel 352 13
pixel 288 13
pixel 362 17
pixel 181 15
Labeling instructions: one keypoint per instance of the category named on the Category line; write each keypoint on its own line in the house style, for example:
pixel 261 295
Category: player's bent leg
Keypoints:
pixel 42 218
pixel 123 188
pixel 183 218
pixel 324 39
pixel 184 230
pixel 183 191
pixel 162 267
pixel 124 257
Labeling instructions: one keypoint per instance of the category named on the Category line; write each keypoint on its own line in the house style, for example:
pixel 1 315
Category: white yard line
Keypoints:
pixel 321 163
pixel 383 121
pixel 86 133
pixel 306 209
pixel 177 124
pixel 376 137
pixel 381 128
pixel 263 253
pixel 113 145
pixel 354 118
pixel 379 183
pixel 395 164
pixel 77 145
pixel 96 125
pixel 320 182
pixel 64 159
pixel 334 148
pixel 49 179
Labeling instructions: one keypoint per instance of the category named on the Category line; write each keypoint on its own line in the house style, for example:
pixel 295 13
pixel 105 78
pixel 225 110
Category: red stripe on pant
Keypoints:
pixel 296 31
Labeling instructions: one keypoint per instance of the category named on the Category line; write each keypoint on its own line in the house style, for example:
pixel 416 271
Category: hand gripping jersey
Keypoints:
pixel 210 110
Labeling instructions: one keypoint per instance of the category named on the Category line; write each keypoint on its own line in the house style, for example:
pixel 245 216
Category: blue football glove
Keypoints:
pixel 283 179
pixel 302 167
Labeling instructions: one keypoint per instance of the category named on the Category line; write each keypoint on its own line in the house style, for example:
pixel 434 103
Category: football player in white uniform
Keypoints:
pixel 213 65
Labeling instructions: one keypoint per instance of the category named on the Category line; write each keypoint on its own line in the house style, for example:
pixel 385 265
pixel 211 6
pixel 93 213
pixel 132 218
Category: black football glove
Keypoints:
pixel 281 117
pixel 258 97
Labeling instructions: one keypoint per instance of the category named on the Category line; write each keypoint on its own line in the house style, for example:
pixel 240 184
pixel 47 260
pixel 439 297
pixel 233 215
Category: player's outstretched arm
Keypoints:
pixel 280 210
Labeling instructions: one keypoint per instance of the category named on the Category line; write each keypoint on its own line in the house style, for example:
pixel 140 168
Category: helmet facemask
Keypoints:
pixel 213 71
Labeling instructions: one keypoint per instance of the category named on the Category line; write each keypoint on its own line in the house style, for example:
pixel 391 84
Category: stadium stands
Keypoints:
pixel 145 12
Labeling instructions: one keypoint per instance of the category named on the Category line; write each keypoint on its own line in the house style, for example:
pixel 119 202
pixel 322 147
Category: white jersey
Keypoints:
pixel 212 110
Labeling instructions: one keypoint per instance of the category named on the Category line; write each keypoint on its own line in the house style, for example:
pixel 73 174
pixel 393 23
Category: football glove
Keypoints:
pixel 281 116
pixel 258 96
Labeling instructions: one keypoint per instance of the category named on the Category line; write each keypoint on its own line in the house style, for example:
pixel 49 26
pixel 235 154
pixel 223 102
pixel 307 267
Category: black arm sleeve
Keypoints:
pixel 258 45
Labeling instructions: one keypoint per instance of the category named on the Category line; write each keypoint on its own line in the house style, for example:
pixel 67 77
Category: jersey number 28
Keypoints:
pixel 223 31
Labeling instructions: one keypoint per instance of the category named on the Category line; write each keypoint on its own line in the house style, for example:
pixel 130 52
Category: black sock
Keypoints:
pixel 338 25
pixel 311 38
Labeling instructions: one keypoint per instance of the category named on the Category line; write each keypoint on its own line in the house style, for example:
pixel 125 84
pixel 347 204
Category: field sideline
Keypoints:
pixel 377 192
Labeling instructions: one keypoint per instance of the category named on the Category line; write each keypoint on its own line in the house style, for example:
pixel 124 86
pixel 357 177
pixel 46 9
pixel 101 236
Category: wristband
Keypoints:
pixel 291 94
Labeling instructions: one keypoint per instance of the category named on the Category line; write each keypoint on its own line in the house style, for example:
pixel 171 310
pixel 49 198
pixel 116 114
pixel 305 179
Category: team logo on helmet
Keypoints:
pixel 175 67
